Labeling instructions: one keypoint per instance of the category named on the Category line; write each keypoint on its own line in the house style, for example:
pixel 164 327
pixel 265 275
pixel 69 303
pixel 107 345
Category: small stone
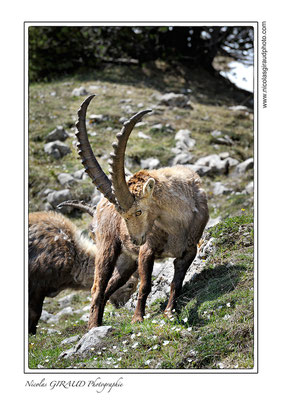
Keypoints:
pixel 65 179
pixel 150 163
pixel 56 317
pixel 244 166
pixel 79 174
pixel 58 196
pixel 88 342
pixel 81 91
pixel 57 149
pixel 97 118
pixel 220 189
pixel 142 135
pixel 66 300
pixel 71 339
pixel 157 127
pixel 250 188
pixel 58 133
pixel 174 100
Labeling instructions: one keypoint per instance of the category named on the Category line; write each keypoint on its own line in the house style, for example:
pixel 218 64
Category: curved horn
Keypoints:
pixel 89 161
pixel 122 193
pixel 81 205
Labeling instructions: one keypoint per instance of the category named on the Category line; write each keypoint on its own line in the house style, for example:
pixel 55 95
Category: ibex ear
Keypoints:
pixel 148 187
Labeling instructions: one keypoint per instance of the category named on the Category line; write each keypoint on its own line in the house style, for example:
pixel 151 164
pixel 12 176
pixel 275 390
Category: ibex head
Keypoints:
pixel 132 199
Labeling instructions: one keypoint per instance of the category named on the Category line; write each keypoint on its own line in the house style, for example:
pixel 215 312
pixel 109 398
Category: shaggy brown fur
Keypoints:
pixel 60 258
pixel 166 219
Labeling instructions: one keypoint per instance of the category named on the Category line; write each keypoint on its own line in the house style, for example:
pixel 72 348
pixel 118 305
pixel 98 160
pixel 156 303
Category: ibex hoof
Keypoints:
pixel 137 318
pixel 168 314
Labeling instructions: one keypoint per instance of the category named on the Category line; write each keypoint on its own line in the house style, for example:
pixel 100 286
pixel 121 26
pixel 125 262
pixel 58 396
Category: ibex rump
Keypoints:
pixel 61 258
pixel 157 213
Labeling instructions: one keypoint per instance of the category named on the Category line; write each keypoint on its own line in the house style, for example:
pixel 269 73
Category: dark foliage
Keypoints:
pixel 60 50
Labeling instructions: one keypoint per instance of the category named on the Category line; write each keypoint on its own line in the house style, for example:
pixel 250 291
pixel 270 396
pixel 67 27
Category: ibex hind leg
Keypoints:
pixel 181 266
pixel 121 276
pixel 34 313
pixel 146 261
pixel 104 266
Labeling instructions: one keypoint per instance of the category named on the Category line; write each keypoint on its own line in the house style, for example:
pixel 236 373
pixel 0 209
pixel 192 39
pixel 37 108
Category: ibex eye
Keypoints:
pixel 138 213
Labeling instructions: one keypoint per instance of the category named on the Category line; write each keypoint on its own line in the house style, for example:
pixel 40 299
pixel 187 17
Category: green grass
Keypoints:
pixel 213 324
pixel 212 327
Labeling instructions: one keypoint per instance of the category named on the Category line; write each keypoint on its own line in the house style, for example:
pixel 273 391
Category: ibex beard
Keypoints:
pixel 155 214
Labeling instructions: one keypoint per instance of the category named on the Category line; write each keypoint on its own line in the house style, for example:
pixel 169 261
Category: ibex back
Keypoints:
pixel 156 213
pixel 60 258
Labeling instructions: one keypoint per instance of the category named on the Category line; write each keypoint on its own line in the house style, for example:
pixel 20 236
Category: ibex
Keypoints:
pixel 60 258
pixel 156 213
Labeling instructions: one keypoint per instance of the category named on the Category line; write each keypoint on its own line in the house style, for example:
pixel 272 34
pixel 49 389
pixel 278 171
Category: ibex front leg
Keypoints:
pixel 104 265
pixel 181 265
pixel 146 261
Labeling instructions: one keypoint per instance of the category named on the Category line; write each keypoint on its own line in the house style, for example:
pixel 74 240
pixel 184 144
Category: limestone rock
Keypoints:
pixel 58 133
pixel 91 339
pixel 57 149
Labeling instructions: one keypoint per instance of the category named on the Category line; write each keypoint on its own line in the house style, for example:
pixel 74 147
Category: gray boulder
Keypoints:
pixel 65 179
pixel 79 174
pixel 174 100
pixel 58 196
pixel 249 188
pixel 220 189
pixel 86 344
pixel 182 158
pixel 81 91
pixel 58 133
pixel 65 311
pixel 212 222
pixel 201 170
pixel 183 140
pixel 163 273
pixel 71 339
pixel 97 118
pixel 150 163
pixel 244 166
pixel 66 300
pixel 45 316
pixel 142 135
pixel 56 149
pixel 214 163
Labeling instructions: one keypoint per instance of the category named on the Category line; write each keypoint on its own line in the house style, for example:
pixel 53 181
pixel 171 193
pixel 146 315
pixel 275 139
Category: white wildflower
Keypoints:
pixel 165 342
pixel 135 345
pixel 155 347
pixel 147 362
pixel 185 319
pixel 189 329
pixel 133 336
pixel 228 305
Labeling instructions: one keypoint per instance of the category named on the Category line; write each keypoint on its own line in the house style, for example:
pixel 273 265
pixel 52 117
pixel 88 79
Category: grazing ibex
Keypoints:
pixel 60 258
pixel 157 213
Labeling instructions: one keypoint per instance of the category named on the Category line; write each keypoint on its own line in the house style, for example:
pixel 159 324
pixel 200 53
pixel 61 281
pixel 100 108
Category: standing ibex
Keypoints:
pixel 60 258
pixel 157 213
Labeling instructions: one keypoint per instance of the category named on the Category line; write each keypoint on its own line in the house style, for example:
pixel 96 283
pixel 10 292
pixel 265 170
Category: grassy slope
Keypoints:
pixel 218 305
